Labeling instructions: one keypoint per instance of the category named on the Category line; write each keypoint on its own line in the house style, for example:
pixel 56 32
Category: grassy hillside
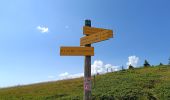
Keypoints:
pixel 139 84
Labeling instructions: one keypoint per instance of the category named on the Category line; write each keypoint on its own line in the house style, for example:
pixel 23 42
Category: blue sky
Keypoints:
pixel 27 55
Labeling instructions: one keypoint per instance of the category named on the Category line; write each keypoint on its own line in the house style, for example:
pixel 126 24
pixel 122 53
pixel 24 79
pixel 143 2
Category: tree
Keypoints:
pixel 131 67
pixel 123 68
pixel 146 64
pixel 111 69
pixel 169 61
pixel 160 64
pixel 107 70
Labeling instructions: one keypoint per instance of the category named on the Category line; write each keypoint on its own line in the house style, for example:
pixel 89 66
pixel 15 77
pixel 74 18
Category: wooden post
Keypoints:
pixel 93 35
pixel 87 71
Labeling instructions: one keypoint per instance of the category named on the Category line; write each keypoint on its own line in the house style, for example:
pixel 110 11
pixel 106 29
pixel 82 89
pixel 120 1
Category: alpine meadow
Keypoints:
pixel 152 83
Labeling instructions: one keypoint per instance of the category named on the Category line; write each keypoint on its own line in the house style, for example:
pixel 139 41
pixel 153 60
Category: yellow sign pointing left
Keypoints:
pixel 76 51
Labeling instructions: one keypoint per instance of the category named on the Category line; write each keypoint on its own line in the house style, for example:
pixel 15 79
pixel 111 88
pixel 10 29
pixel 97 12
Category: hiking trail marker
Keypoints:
pixel 77 51
pixel 96 37
pixel 92 35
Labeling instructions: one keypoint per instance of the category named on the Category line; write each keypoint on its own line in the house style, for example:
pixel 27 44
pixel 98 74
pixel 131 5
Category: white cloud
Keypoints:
pixel 97 67
pixel 42 29
pixel 133 60
pixel 76 75
pixel 66 75
pixel 51 77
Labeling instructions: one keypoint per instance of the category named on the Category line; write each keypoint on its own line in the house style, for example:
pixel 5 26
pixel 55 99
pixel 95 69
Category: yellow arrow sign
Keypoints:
pixel 76 51
pixel 91 30
pixel 96 37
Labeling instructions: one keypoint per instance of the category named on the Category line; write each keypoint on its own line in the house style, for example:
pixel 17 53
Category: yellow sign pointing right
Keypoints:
pixel 96 37
pixel 91 30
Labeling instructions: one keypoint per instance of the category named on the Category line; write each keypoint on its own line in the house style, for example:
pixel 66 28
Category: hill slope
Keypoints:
pixel 142 83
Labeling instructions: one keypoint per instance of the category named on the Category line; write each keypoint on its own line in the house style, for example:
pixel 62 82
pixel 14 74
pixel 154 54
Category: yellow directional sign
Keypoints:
pixel 96 37
pixel 76 51
pixel 91 30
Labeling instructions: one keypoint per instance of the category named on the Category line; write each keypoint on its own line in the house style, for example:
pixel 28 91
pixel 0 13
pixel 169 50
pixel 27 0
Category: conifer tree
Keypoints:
pixel 146 64
pixel 160 64
pixel 131 67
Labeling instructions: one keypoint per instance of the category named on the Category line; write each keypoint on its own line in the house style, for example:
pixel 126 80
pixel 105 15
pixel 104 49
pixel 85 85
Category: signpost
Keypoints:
pixel 87 70
pixel 76 51
pixel 96 37
pixel 91 30
pixel 93 35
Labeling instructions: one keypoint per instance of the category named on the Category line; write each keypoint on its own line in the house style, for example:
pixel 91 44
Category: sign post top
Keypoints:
pixel 88 22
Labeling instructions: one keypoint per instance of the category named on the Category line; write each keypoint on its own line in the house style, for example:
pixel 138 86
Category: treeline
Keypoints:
pixel 147 64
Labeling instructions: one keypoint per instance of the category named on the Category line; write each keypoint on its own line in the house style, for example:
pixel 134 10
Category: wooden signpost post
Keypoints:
pixel 92 35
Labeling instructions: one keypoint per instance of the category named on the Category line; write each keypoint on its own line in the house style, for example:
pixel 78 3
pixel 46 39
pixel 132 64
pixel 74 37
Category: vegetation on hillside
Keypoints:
pixel 151 83
pixel 131 67
pixel 146 64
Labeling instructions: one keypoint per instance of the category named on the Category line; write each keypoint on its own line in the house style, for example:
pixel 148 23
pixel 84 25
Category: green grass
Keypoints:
pixel 139 84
